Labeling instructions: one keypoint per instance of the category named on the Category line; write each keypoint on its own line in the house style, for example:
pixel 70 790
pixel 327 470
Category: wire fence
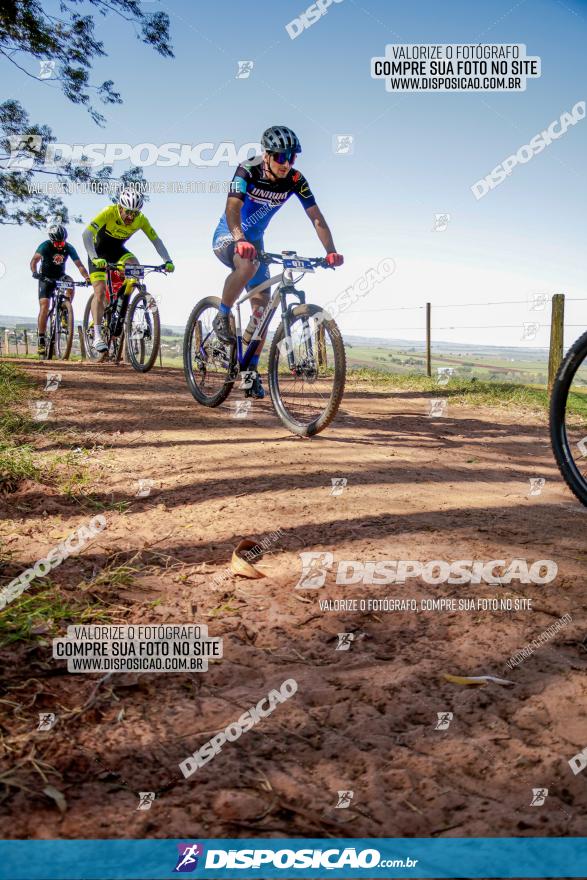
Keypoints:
pixel 22 341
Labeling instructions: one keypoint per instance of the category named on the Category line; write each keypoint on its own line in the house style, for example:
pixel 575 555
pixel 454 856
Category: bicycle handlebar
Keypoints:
pixel 266 257
pixel 116 266
pixel 63 281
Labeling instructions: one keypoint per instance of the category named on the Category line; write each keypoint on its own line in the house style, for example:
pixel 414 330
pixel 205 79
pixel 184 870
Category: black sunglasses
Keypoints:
pixel 284 156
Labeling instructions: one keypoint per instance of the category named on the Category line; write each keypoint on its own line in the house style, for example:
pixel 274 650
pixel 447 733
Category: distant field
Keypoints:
pixel 487 364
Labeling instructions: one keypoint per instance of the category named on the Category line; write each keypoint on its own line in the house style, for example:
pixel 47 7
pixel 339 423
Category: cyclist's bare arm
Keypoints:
pixel 35 262
pixel 82 270
pixel 322 229
pixel 234 208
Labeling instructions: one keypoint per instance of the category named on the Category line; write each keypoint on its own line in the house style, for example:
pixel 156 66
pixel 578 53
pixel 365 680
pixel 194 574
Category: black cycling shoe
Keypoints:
pixel 221 327
pixel 41 347
pixel 256 390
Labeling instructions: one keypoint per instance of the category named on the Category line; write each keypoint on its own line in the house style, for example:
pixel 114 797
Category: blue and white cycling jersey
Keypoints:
pixel 261 198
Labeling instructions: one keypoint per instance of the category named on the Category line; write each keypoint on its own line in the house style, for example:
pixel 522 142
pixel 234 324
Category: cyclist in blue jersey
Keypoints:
pixel 259 188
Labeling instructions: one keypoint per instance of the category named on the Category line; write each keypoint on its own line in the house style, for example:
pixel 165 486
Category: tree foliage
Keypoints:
pixel 59 49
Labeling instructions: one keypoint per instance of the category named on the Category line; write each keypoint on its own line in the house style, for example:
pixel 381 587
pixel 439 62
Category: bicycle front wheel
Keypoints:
pixel 307 394
pixel 143 332
pixel 208 364
pixel 64 330
pixel 568 419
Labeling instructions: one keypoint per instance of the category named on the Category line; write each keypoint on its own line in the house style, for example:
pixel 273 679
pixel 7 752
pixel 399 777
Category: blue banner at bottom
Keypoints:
pixel 368 858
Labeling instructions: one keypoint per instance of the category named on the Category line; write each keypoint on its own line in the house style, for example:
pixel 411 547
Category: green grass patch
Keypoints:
pixel 44 614
pixel 16 461
pixel 15 390
pixel 466 392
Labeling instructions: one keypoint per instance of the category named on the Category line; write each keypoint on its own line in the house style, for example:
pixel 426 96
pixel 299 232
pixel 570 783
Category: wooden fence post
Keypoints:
pixel 26 343
pixel 557 334
pixel 7 341
pixel 82 342
pixel 428 344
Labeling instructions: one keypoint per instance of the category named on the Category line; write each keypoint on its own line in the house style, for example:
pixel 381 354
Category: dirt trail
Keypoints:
pixel 418 488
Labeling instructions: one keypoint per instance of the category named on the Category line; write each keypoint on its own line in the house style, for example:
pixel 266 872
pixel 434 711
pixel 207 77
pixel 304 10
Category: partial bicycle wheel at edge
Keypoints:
pixel 307 399
pixel 143 332
pixel 88 325
pixel 207 363
pixel 568 419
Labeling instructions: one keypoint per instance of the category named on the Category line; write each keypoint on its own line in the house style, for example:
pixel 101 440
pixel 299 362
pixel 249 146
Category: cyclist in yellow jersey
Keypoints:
pixel 104 240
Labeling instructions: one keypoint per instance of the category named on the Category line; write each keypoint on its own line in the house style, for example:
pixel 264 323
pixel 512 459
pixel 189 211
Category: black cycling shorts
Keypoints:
pixel 113 252
pixel 47 288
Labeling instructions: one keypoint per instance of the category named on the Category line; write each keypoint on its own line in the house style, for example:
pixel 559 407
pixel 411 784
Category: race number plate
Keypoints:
pixel 298 263
pixel 134 271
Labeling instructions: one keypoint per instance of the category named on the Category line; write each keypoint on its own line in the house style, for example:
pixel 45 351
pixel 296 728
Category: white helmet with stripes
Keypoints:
pixel 130 199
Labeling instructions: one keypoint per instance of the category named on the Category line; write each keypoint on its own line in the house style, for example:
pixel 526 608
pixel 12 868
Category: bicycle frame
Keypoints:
pixel 285 286
pixel 59 295
pixel 126 290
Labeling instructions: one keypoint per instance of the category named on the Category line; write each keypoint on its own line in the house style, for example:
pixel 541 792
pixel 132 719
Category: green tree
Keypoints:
pixel 63 48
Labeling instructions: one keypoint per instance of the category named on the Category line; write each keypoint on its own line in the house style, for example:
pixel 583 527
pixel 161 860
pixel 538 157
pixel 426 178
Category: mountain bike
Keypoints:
pixel 59 339
pixel 130 320
pixel 568 418
pixel 307 366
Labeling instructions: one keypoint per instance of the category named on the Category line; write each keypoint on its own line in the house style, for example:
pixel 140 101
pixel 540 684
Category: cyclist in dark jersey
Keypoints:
pixel 53 254
pixel 259 189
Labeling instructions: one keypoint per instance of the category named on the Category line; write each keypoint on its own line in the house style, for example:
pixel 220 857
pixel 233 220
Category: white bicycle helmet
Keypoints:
pixel 130 199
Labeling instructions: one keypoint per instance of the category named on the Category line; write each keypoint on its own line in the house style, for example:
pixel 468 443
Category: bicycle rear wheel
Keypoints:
pixel 568 419
pixel 306 397
pixel 208 364
pixel 64 330
pixel 143 332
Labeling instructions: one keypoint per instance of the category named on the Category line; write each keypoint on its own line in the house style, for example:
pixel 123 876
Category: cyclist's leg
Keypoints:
pixel 112 254
pixel 259 301
pixel 98 280
pixel 46 291
pixel 242 270
pixel 125 259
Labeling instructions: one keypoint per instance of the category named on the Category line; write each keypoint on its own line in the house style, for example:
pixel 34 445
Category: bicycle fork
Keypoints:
pixel 306 335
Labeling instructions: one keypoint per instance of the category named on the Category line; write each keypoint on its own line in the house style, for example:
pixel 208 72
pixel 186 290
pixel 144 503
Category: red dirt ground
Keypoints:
pixel 419 488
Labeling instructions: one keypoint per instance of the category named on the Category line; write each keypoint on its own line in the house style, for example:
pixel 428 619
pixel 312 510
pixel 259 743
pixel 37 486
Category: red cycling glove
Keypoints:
pixel 245 249
pixel 334 259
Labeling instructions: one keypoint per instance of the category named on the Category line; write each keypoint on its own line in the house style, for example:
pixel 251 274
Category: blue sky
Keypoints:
pixel 415 155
